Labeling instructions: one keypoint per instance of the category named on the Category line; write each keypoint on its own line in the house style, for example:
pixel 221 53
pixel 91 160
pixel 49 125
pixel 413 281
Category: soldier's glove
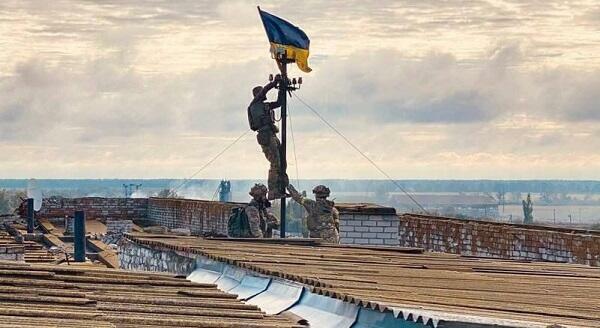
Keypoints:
pixel 272 221
pixel 292 189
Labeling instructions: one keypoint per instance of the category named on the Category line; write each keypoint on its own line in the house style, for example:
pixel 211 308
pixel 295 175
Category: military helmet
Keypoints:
pixel 256 90
pixel 259 189
pixel 321 191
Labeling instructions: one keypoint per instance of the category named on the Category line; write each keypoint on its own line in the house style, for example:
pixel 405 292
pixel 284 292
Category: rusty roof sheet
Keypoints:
pixel 59 296
pixel 442 284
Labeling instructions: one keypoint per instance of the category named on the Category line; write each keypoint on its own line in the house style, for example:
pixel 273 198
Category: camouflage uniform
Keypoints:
pixel 323 219
pixel 298 212
pixel 260 218
pixel 260 118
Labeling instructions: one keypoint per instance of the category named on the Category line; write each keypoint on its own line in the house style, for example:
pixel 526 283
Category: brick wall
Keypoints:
pixel 7 218
pixel 136 257
pixel 368 224
pixel 200 216
pixel 12 252
pixel 364 224
pixel 95 207
pixel 10 248
pixel 118 226
pixel 498 240
pixel 115 230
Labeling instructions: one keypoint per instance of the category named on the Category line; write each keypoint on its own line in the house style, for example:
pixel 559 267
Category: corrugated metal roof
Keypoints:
pixel 59 296
pixel 436 287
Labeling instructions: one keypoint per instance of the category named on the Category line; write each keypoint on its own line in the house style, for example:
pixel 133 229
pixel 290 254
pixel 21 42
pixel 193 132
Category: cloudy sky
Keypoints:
pixel 428 89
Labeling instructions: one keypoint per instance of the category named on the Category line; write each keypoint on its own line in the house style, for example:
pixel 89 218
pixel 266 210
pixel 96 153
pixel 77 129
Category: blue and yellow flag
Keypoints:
pixel 286 38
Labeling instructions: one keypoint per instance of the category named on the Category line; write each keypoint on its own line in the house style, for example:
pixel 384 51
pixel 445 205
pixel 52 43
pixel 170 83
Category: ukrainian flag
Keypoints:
pixel 286 38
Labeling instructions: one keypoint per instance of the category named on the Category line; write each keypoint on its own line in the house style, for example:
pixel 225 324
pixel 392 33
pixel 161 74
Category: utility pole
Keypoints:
pixel 288 86
pixel 283 154
pixel 570 219
pixel 129 189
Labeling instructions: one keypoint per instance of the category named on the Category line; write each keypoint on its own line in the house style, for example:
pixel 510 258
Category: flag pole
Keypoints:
pixel 282 156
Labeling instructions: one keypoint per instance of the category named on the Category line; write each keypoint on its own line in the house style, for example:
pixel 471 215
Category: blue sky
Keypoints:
pixel 429 89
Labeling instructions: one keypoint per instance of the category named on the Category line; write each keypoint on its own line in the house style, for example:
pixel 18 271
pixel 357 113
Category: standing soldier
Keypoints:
pixel 260 218
pixel 262 119
pixel 323 219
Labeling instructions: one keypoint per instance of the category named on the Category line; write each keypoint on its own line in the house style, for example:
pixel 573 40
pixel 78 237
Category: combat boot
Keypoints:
pixel 273 181
pixel 277 186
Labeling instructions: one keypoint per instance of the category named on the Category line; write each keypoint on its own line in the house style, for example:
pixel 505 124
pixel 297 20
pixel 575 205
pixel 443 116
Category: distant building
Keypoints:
pixel 456 205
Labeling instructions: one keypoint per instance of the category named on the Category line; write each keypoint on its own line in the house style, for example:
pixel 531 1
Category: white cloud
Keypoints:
pixel 120 89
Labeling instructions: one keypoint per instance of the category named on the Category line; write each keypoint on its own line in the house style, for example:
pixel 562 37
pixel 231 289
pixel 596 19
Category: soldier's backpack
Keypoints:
pixel 259 116
pixel 238 225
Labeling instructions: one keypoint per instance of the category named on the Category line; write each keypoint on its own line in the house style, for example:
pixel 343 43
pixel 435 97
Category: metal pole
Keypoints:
pixel 282 156
pixel 570 218
pixel 30 215
pixel 79 236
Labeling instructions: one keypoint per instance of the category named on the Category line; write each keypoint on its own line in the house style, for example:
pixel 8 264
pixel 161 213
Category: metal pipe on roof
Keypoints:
pixel 79 236
pixel 30 215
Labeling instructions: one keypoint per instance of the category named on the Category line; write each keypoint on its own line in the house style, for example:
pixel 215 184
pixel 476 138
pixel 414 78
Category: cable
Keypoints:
pixel 360 152
pixel 294 148
pixel 185 181
pixel 216 191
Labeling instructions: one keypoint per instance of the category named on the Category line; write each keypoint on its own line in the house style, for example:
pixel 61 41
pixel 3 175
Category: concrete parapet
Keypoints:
pixel 368 224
